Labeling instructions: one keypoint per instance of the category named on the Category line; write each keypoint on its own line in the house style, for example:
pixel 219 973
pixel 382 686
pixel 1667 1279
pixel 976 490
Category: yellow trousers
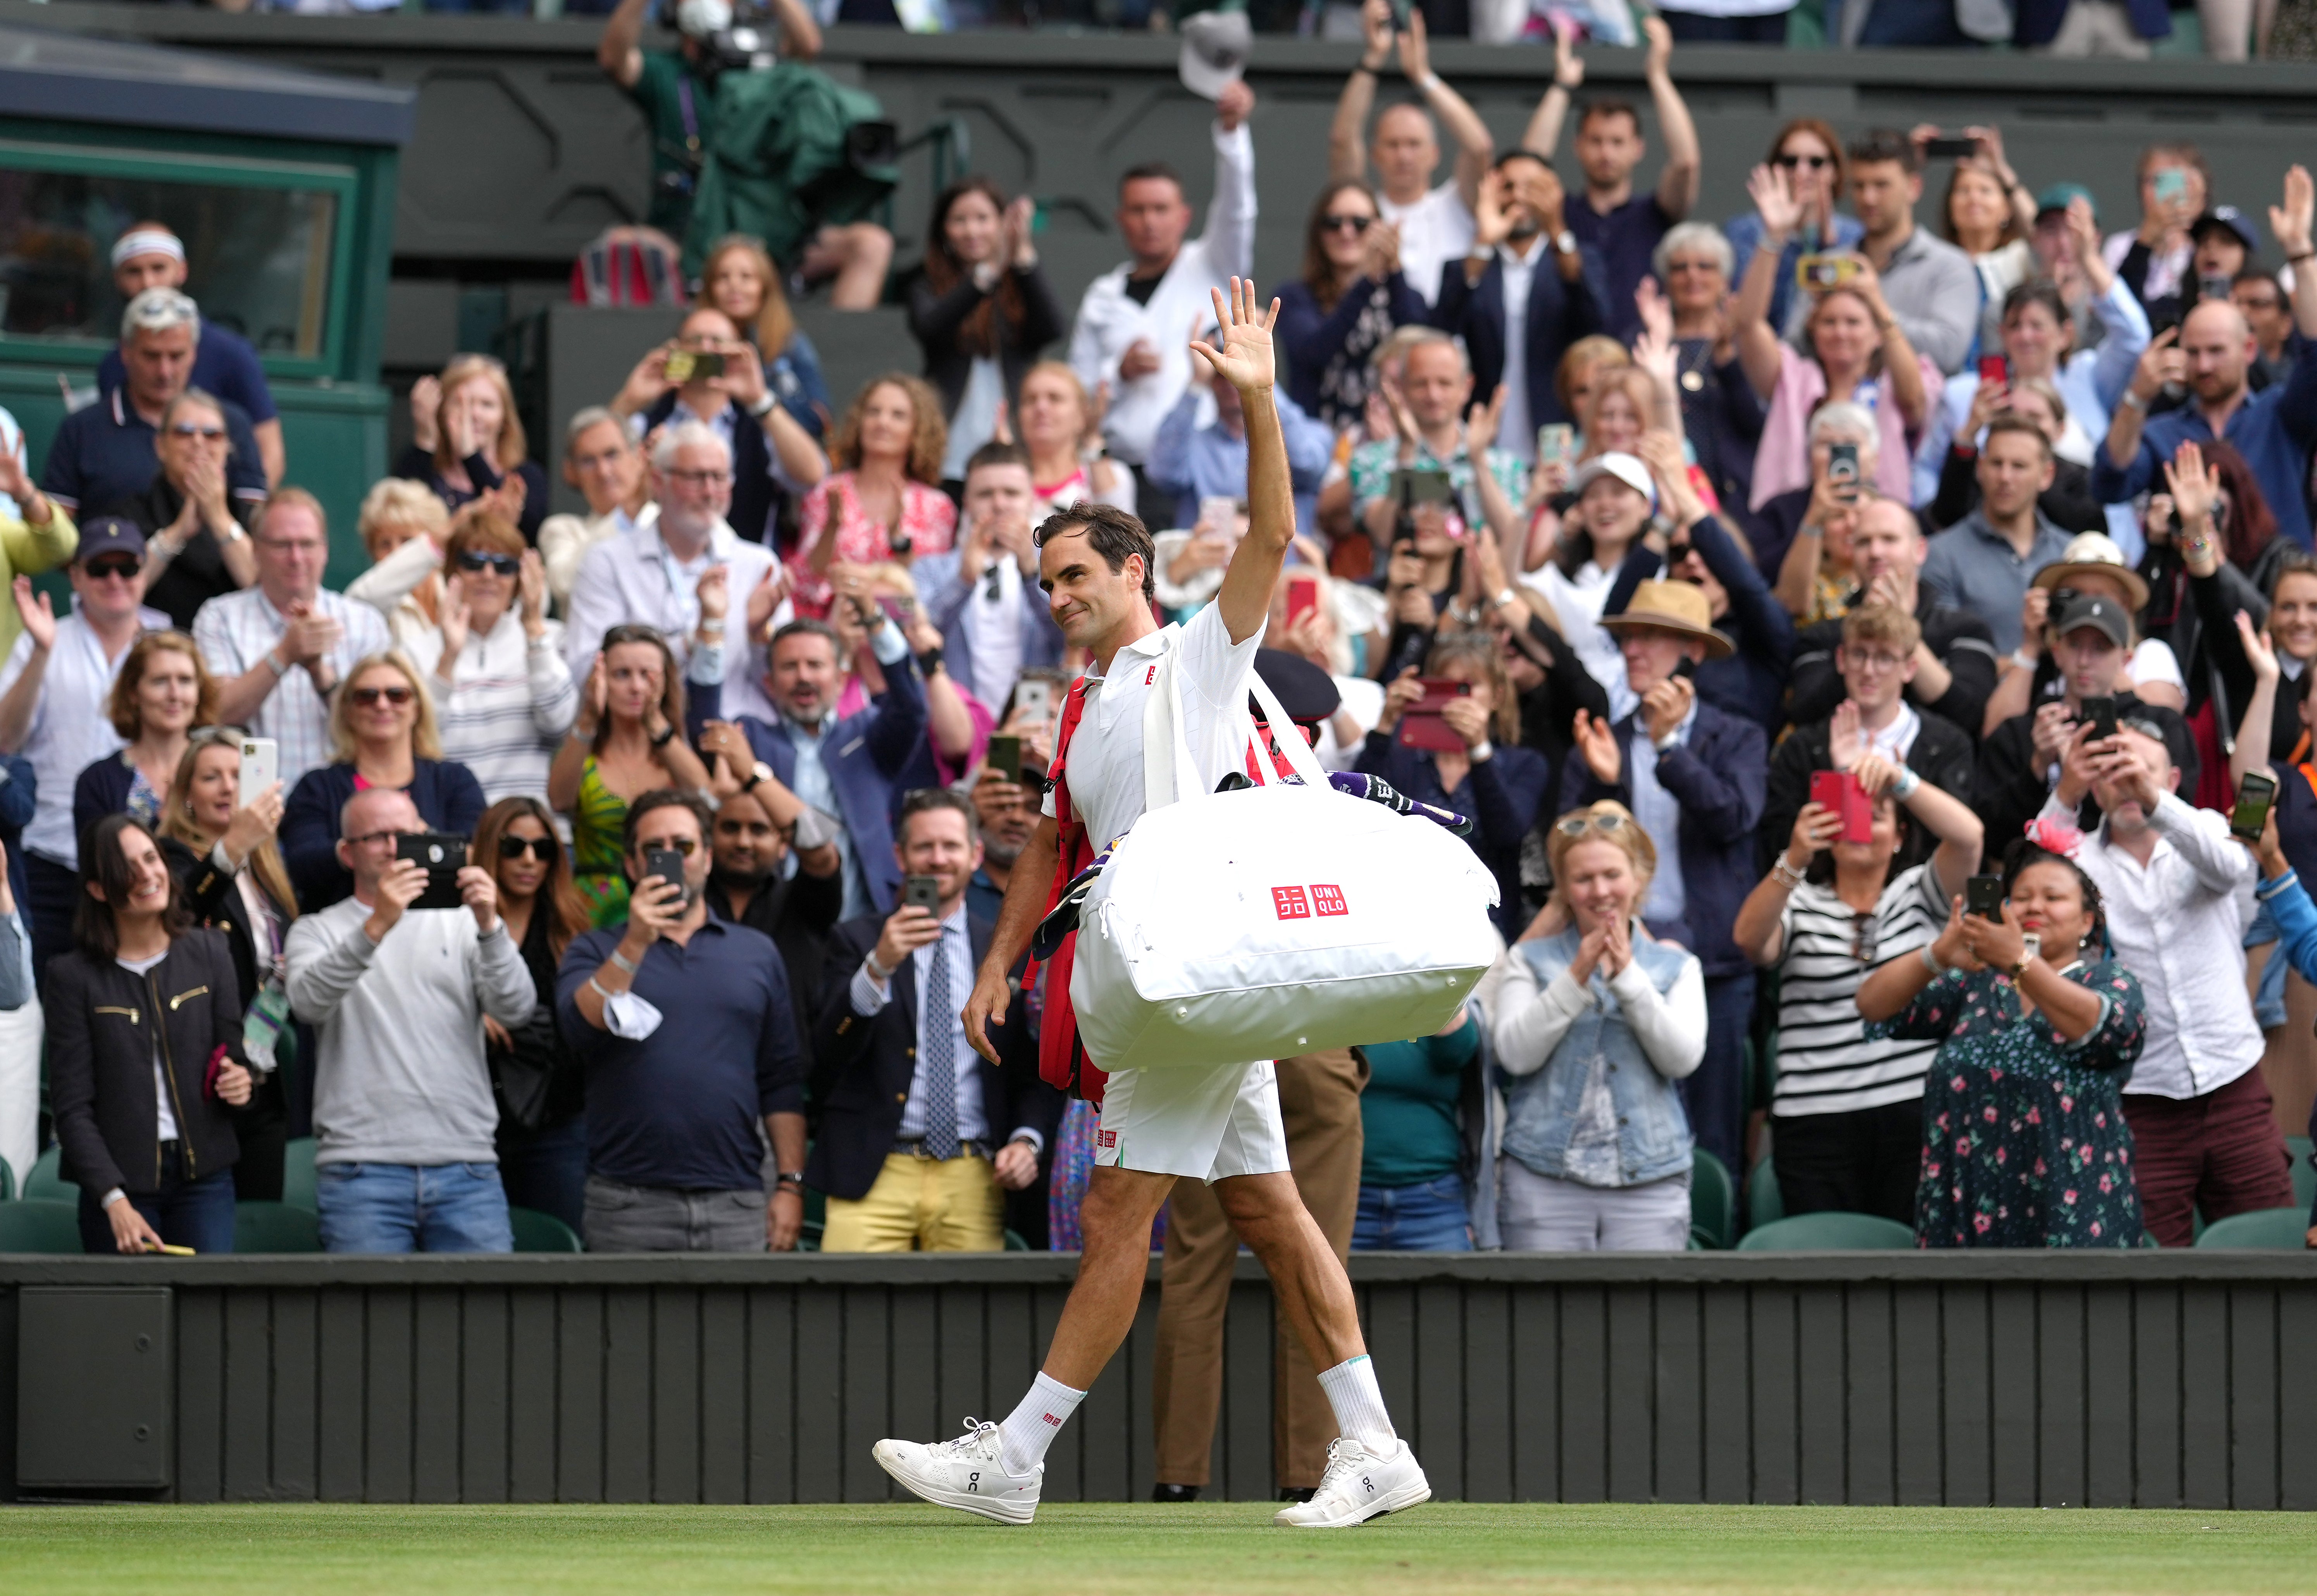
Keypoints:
pixel 921 1205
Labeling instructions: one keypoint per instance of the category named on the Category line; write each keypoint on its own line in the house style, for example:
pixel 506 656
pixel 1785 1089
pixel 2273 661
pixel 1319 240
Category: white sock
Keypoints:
pixel 1031 1428
pixel 1358 1401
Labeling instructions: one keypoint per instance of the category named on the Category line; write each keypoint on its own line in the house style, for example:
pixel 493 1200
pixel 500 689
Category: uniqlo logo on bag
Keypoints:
pixel 1329 900
pixel 1290 903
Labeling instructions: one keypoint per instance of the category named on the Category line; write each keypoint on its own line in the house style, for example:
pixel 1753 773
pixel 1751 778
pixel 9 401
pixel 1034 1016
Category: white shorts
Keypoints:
pixel 1208 1125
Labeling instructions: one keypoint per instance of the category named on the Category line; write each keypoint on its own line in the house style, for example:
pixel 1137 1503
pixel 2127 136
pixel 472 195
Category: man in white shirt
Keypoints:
pixel 604 464
pixel 1222 1125
pixel 652 576
pixel 54 694
pixel 1133 318
pixel 983 594
pixel 2178 893
pixel 1435 223
pixel 281 649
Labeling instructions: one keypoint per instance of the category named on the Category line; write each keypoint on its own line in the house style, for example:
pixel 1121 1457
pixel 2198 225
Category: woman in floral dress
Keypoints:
pixel 2025 1142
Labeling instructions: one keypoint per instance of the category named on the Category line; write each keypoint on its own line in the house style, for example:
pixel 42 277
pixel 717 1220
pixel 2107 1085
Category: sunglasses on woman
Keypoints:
pixel 368 697
pixel 543 848
pixel 185 428
pixel 503 565
pixel 1336 224
pixel 1814 163
pixel 1577 826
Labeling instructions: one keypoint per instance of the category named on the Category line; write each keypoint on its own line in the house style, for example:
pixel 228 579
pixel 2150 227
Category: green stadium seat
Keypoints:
pixel 298 1173
pixel 1829 1233
pixel 1016 1241
pixel 2305 1172
pixel 1713 1201
pixel 1764 1206
pixel 535 1232
pixel 2264 1229
pixel 274 1227
pixel 7 1181
pixel 34 1225
pixel 46 1184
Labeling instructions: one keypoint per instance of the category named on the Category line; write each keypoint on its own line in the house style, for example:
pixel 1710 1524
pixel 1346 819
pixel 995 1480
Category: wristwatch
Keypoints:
pixel 2026 957
pixel 760 772
pixel 1564 243
pixel 761 407
pixel 789 1178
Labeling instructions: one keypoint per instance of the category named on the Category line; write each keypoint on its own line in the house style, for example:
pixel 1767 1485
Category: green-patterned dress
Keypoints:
pixel 597 821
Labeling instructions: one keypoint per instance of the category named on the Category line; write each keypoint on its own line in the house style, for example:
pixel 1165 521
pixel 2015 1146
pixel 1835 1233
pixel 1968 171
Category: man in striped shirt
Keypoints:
pixel 1848 1121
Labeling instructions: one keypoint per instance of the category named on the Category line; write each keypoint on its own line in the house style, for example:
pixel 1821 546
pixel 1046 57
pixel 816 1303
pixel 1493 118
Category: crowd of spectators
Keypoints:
pixel 1849 629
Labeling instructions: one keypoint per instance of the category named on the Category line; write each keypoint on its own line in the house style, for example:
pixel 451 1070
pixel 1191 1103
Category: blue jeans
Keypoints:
pixel 410 1207
pixel 1426 1218
pixel 196 1214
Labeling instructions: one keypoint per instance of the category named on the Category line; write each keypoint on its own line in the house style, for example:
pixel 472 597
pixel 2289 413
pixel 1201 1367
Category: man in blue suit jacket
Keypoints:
pixel 985 590
pixel 1694 779
pixel 1520 243
pixel 846 769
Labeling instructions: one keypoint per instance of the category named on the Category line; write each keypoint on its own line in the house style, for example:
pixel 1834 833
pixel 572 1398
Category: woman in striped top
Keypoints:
pixel 1847 1119
pixel 495 662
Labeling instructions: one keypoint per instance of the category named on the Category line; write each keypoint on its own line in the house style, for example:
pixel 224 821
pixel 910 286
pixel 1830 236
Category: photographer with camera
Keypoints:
pixel 398 984
pixel 677 92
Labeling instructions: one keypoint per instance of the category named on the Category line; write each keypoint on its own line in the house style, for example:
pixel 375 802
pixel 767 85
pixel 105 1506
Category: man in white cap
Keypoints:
pixel 150 255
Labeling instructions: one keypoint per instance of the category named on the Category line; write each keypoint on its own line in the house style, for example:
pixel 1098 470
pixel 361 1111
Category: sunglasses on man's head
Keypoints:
pixel 1336 224
pixel 185 428
pixel 543 848
pixel 367 696
pixel 476 560
pixel 99 569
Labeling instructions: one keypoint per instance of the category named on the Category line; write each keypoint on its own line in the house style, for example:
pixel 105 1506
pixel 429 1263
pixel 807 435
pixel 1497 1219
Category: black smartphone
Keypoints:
pixel 2254 796
pixel 2101 712
pixel 1842 467
pixel 666 863
pixel 1944 147
pixel 444 856
pixel 1686 666
pixel 1005 756
pixel 922 892
pixel 1422 484
pixel 1984 895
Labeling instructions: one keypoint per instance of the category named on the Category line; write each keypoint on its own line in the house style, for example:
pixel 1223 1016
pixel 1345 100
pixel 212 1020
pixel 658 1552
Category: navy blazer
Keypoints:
pixel 449 799
pixel 866 754
pixel 1559 314
pixel 1752 681
pixel 1719 777
pixel 1500 796
pixel 944 598
pixel 862 1067
pixel 102 788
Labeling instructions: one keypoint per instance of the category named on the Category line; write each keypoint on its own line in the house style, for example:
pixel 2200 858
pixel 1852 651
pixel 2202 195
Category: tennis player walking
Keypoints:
pixel 1222 1126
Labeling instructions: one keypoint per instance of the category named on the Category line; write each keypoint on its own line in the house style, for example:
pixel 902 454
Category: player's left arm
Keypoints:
pixel 1245 362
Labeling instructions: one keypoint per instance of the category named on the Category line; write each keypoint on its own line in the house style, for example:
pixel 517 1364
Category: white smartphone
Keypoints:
pixel 1034 695
pixel 261 766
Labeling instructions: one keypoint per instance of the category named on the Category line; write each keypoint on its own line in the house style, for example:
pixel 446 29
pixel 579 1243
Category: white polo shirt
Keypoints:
pixel 1433 231
pixel 1105 751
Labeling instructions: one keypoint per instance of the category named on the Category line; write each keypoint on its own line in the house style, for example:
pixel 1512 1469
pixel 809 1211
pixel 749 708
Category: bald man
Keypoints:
pixel 150 255
pixel 2212 356
pixel 1435 224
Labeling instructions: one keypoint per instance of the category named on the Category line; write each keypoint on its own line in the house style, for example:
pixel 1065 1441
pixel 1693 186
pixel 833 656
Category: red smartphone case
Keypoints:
pixel 1840 791
pixel 1429 728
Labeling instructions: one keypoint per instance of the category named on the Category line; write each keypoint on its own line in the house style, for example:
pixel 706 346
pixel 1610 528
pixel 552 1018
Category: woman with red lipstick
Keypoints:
pixel 2023 1138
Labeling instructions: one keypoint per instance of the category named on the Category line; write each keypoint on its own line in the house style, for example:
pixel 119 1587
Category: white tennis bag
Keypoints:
pixel 1272 921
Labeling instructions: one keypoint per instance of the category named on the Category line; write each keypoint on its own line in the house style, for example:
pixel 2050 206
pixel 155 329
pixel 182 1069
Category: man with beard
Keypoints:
pixel 746 885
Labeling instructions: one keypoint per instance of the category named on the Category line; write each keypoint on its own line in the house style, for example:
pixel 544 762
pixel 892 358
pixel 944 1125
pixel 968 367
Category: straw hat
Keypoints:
pixel 1673 607
pixel 2095 554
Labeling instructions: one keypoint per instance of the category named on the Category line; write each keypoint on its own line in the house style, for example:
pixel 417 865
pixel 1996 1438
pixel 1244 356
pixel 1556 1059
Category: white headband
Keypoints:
pixel 150 242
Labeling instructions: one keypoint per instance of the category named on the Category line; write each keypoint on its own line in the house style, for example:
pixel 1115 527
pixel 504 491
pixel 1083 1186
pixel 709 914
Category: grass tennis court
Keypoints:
pixel 1097 1550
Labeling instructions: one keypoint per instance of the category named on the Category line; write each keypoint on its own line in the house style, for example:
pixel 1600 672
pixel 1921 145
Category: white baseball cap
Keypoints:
pixel 1627 469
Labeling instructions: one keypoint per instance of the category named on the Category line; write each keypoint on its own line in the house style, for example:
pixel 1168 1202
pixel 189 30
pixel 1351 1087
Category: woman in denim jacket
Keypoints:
pixel 1595 1025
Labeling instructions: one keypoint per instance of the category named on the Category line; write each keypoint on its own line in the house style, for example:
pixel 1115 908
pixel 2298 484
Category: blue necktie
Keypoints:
pixel 940 1058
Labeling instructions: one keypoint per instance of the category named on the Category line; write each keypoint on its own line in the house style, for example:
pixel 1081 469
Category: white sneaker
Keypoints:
pixel 1358 1485
pixel 965 1474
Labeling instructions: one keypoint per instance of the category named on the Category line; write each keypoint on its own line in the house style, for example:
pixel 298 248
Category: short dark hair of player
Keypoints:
pixel 1110 532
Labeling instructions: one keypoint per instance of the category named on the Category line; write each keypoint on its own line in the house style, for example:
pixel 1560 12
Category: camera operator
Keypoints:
pixel 677 92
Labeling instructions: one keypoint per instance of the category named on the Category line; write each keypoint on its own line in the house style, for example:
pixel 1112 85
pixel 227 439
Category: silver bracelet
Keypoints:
pixel 1785 875
pixel 623 962
pixel 1931 961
